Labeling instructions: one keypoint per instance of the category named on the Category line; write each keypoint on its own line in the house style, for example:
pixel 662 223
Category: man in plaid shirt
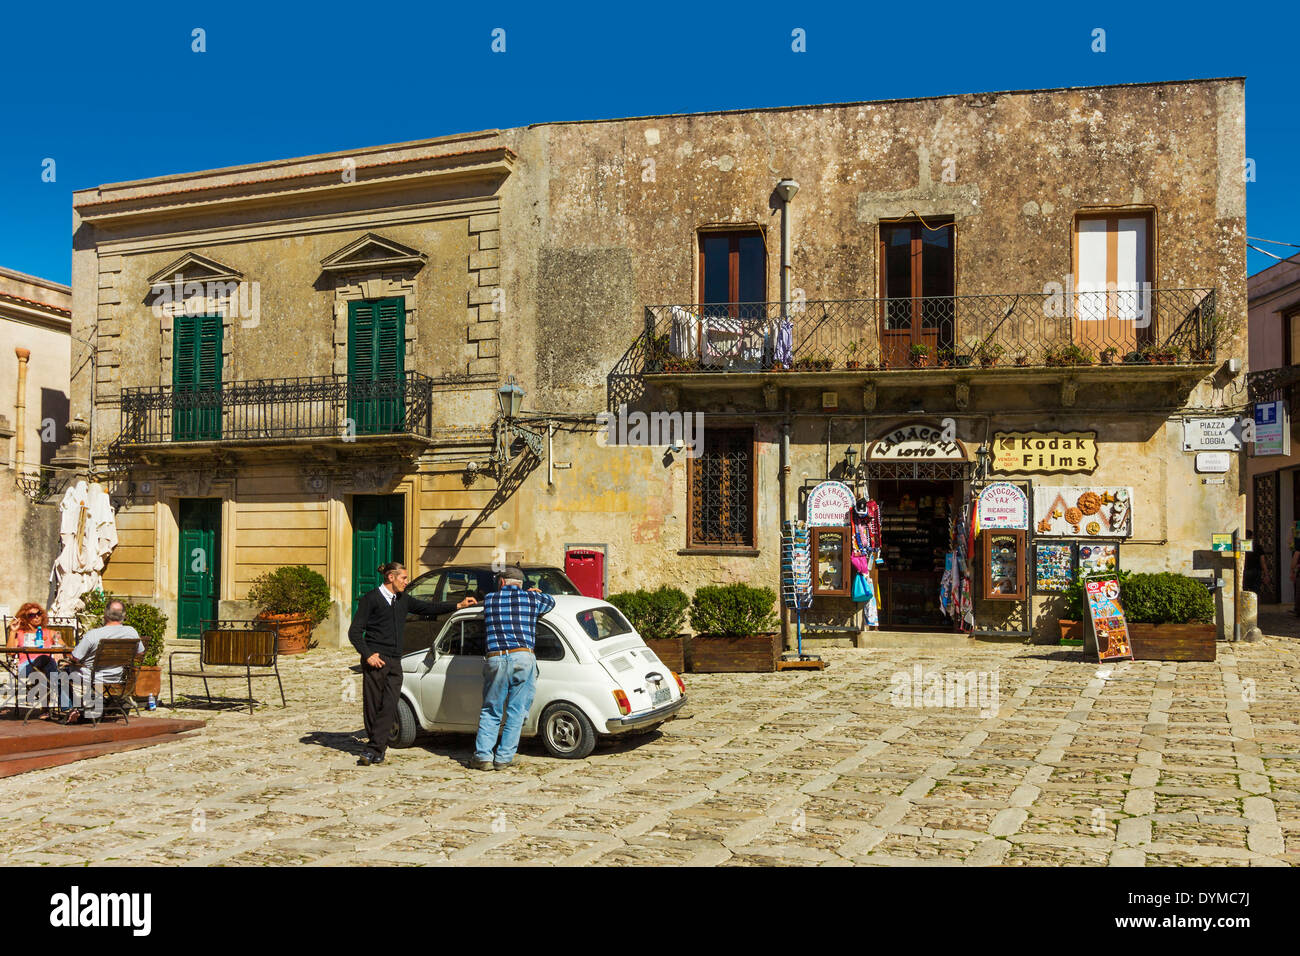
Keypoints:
pixel 509 668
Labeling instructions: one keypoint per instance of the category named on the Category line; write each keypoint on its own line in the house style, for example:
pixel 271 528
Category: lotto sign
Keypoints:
pixel 1211 434
pixel 1106 616
pixel 1003 505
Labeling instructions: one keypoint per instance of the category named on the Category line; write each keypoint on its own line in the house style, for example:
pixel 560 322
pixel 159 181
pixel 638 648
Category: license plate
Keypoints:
pixel 662 695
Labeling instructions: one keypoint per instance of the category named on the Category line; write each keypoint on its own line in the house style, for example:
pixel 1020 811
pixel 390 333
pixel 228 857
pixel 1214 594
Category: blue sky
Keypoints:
pixel 113 92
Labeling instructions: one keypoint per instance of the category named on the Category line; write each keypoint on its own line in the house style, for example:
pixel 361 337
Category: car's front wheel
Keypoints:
pixel 407 728
pixel 566 731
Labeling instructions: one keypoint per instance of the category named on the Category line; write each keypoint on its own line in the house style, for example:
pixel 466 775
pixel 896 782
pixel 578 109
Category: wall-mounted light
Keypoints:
pixel 851 458
pixel 984 459
pixel 510 397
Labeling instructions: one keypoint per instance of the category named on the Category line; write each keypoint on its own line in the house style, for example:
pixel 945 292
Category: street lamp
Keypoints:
pixel 984 458
pixel 510 397
pixel 851 456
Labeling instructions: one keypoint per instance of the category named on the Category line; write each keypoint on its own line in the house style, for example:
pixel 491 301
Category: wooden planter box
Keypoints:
pixel 672 651
pixel 755 653
pixel 1172 642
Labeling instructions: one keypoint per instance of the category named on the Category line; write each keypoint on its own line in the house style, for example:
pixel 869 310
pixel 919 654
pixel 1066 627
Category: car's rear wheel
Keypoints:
pixel 566 732
pixel 406 728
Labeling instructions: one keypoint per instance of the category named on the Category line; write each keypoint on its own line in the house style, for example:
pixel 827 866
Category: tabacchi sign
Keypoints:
pixel 1045 452
pixel 917 442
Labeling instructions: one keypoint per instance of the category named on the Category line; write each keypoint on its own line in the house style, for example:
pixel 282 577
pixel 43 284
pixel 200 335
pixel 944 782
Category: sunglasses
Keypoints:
pixel 32 614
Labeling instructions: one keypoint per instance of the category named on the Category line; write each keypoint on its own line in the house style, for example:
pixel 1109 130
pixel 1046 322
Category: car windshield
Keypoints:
pixel 603 622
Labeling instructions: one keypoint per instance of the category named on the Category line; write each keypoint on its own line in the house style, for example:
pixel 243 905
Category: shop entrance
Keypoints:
pixel 916 532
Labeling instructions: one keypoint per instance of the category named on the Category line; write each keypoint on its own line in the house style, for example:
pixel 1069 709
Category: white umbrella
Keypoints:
pixel 88 531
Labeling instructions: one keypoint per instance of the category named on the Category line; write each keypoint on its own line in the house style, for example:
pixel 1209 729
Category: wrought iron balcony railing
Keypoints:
pixel 1134 327
pixel 278 409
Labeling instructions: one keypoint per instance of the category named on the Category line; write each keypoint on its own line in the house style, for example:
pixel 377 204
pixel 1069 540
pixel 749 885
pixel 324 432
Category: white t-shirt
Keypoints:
pixel 85 651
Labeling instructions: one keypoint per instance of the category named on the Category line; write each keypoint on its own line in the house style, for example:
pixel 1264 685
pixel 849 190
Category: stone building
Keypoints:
pixel 35 354
pixel 298 361
pixel 1273 492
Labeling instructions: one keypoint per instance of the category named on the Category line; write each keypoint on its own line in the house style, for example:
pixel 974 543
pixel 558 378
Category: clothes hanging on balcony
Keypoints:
pixel 684 337
pixel 783 345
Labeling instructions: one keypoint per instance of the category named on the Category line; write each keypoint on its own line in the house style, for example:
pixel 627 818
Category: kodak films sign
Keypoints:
pixel 1044 452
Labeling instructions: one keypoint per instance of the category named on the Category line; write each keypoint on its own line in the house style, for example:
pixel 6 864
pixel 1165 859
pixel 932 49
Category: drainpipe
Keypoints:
pixel 785 505
pixel 785 189
pixel 20 409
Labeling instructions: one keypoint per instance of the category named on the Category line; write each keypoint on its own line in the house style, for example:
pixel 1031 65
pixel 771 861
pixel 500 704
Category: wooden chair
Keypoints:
pixel 237 644
pixel 119 694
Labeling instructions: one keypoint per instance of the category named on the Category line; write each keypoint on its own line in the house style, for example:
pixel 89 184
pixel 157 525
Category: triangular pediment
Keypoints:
pixel 370 252
pixel 193 267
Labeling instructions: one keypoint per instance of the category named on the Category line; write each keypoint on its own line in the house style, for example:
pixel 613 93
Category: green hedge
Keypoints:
pixel 149 622
pixel 732 610
pixel 656 615
pixel 1164 598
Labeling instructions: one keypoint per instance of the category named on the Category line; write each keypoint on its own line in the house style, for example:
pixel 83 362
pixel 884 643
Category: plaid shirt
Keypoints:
pixel 510 616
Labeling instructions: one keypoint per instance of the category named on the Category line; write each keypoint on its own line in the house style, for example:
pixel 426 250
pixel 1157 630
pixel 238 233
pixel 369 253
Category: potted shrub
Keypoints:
pixel 1108 355
pixel 853 364
pixel 149 622
pixel 946 358
pixel 732 630
pixel 1022 360
pixel 1170 617
pixel 918 355
pixel 1075 355
pixel 963 359
pixel 658 617
pixel 294 599
pixel 988 353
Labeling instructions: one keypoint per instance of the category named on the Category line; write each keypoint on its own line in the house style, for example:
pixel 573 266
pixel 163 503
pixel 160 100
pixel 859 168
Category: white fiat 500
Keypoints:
pixel 595 677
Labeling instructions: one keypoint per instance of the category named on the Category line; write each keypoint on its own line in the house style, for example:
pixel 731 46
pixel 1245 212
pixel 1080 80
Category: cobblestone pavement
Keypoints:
pixel 1135 763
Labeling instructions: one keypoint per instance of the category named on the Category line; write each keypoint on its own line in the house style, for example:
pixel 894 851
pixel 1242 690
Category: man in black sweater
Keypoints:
pixel 376 632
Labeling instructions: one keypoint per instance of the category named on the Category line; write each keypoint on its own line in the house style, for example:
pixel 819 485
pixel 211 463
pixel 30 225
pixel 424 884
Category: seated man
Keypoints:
pixel 83 655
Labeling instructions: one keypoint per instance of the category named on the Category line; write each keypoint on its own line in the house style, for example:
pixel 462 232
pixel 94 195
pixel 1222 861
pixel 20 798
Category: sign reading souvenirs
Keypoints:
pixel 1211 434
pixel 829 504
pixel 1107 618
pixel 1272 429
pixel 1003 505
pixel 1091 512
pixel 917 443
pixel 1045 452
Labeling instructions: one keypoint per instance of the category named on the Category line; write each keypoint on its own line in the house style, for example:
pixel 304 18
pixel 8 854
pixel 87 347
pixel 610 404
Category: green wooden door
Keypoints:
pixel 377 537
pixel 376 364
pixel 196 378
pixel 200 561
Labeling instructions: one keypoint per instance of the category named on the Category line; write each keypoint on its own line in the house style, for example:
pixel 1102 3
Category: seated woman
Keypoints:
pixel 29 628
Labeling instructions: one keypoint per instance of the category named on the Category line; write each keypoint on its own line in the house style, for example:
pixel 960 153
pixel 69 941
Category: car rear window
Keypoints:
pixel 603 622
pixel 549 581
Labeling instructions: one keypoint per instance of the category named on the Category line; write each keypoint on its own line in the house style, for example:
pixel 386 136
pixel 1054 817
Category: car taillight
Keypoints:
pixel 680 686
pixel 621 699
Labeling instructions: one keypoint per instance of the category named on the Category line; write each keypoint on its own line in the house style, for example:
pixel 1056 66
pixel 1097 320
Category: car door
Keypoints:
pixel 462 693
pixel 434 701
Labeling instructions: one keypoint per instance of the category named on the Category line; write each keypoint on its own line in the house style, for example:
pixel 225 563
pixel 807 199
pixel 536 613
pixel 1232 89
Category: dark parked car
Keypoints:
pixel 457 581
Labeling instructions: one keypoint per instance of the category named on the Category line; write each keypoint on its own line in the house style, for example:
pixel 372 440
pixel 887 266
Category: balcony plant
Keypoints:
pixel 149 622
pixel 946 358
pixel 1108 354
pixel 295 599
pixel 918 356
pixel 853 364
pixel 1021 360
pixel 658 617
pixel 963 359
pixel 1076 355
pixel 988 353
pixel 732 630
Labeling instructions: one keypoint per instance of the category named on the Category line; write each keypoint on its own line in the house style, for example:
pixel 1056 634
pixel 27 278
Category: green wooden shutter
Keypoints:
pixel 196 377
pixel 376 360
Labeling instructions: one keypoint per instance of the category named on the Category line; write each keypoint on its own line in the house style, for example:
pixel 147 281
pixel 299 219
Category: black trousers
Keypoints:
pixel 380 689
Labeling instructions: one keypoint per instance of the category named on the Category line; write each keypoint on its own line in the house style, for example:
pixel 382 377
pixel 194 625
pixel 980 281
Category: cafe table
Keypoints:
pixel 10 659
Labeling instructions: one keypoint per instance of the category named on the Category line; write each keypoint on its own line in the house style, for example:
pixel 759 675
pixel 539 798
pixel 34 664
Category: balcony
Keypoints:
pixel 319 410
pixel 1011 335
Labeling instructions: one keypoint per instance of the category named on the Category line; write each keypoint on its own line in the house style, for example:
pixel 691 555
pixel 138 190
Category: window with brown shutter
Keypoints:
pixel 720 490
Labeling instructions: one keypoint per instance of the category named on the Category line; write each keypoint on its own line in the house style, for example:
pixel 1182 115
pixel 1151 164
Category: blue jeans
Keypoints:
pixel 509 682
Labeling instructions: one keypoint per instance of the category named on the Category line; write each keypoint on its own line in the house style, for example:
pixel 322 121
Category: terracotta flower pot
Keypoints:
pixel 148 680
pixel 292 632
